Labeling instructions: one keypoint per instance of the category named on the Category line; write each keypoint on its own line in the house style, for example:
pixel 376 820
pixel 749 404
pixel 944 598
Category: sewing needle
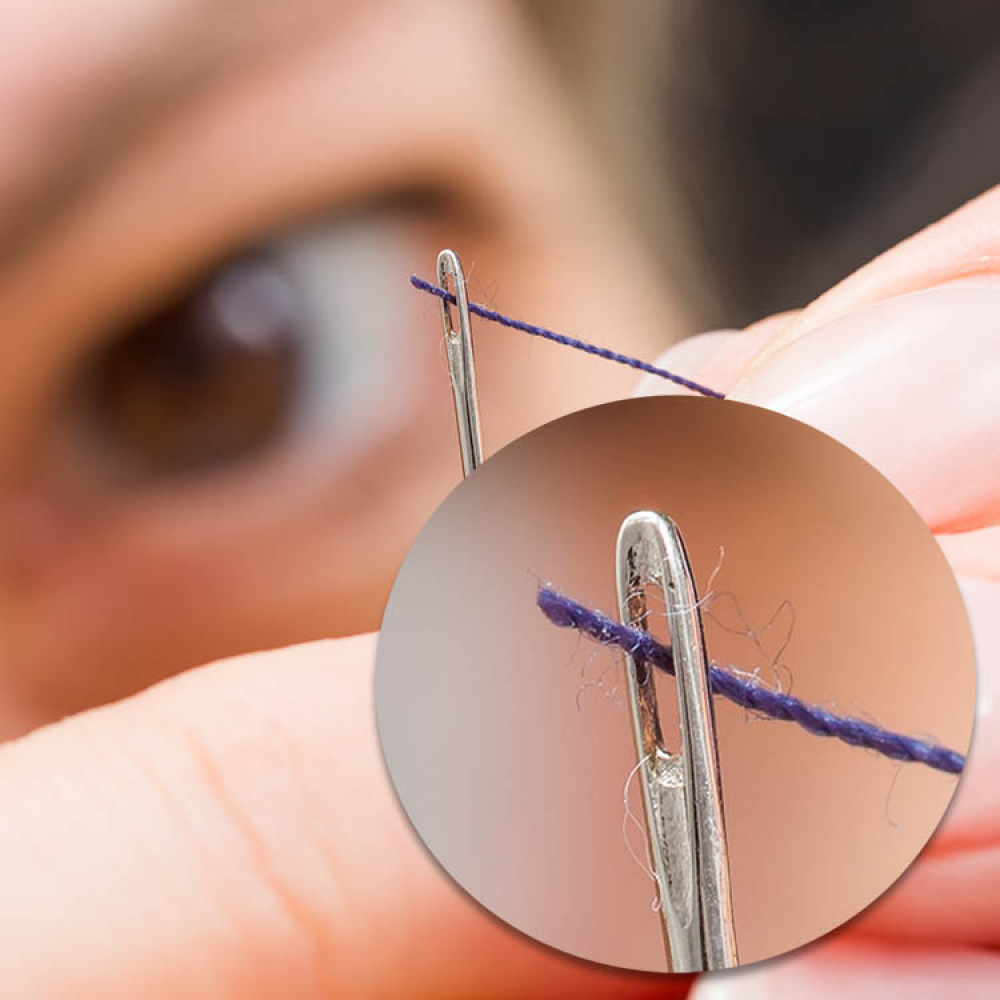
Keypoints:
pixel 461 364
pixel 681 792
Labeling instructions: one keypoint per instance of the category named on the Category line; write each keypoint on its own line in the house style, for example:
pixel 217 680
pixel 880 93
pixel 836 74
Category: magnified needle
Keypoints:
pixel 682 791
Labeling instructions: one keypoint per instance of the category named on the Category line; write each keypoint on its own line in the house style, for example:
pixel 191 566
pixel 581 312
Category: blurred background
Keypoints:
pixel 773 147
pixel 224 413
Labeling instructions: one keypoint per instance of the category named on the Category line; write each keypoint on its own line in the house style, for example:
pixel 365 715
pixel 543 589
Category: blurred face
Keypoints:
pixel 224 413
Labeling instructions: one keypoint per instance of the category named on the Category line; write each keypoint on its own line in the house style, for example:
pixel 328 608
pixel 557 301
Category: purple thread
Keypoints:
pixel 567 613
pixel 560 338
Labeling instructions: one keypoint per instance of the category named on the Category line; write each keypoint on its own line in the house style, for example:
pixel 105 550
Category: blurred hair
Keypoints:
pixel 769 147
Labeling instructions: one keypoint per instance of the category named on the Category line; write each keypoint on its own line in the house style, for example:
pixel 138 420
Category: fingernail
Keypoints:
pixel 715 359
pixel 912 385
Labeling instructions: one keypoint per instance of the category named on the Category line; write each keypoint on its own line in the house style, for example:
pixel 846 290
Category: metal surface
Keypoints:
pixel 682 793
pixel 461 364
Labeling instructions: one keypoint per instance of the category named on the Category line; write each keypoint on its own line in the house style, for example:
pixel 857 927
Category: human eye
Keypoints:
pixel 275 350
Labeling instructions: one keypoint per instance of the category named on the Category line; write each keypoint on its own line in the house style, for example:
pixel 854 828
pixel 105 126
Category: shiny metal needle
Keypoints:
pixel 461 364
pixel 682 793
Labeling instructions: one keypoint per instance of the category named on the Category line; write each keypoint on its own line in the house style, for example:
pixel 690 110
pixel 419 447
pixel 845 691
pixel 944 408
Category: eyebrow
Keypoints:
pixel 97 120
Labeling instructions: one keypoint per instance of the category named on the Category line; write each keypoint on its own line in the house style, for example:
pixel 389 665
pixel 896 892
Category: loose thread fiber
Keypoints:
pixel 561 338
pixel 566 613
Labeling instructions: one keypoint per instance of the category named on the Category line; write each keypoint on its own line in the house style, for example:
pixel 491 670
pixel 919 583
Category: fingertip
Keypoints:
pixel 717 359
pixel 839 967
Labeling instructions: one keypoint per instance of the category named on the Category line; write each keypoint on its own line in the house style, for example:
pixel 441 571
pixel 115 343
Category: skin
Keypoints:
pixel 231 832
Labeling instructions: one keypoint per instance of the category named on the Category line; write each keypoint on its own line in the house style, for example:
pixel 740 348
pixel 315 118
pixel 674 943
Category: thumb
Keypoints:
pixel 232 832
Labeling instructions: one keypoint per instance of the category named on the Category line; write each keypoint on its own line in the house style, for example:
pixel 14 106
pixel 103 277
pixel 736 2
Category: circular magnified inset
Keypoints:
pixel 507 704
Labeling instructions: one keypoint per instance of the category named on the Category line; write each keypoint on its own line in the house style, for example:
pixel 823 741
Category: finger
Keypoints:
pixel 974 554
pixel 962 247
pixel 716 359
pixel 232 832
pixel 690 357
pixel 941 898
pixel 912 386
pixel 839 968
pixel 928 417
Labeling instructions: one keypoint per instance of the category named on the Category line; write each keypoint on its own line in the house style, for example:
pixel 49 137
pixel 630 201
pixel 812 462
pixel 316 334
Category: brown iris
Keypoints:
pixel 209 380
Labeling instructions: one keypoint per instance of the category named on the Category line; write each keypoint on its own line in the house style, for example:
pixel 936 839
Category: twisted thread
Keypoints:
pixel 560 338
pixel 567 613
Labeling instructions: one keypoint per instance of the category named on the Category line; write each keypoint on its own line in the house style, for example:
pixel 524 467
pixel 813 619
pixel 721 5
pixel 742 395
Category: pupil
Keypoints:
pixel 207 381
